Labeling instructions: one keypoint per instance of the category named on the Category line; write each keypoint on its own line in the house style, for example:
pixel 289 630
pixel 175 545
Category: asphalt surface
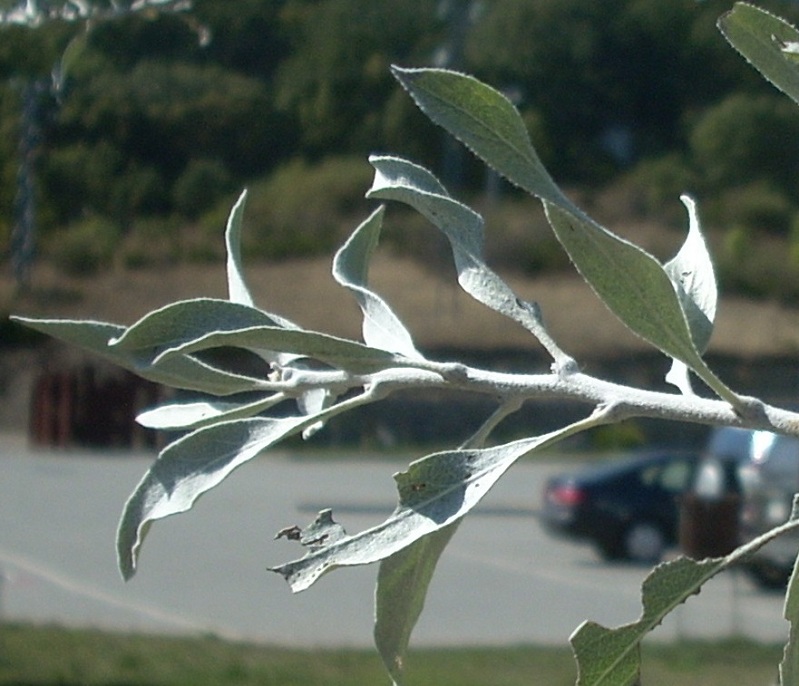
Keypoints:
pixel 501 580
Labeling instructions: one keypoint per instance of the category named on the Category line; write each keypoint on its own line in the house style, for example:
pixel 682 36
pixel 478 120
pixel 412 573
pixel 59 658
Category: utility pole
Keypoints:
pixel 23 235
pixel 459 15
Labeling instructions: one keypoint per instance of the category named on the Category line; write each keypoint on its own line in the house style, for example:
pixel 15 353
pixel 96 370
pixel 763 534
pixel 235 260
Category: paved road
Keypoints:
pixel 502 580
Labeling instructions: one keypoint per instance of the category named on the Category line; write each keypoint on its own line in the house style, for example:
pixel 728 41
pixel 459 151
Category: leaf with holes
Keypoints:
pixel 610 657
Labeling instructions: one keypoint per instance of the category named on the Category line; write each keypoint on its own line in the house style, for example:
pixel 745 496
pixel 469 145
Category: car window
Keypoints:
pixel 675 476
pixel 670 476
pixel 649 475
pixel 782 460
pixel 730 443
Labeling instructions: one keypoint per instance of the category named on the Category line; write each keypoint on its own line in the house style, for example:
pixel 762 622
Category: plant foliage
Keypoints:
pixel 672 306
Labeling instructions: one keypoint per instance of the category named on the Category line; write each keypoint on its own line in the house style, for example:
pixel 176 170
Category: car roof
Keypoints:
pixel 744 444
pixel 622 464
pixel 730 441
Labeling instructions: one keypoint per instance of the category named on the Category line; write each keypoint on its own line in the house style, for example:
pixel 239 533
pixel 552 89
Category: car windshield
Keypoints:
pixel 731 443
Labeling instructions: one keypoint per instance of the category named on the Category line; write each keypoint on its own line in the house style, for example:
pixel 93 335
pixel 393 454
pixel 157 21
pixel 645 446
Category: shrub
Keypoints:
pixel 657 182
pixel 200 187
pixel 151 241
pixel 84 247
pixel 304 209
pixel 756 207
pixel 747 138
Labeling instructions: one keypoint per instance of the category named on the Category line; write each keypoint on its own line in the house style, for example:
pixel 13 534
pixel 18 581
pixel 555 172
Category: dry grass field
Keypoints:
pixel 428 300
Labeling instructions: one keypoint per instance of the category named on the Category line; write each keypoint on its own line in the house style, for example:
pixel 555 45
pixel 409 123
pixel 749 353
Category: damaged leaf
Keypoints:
pixel 611 656
pixel 434 492
pixel 322 531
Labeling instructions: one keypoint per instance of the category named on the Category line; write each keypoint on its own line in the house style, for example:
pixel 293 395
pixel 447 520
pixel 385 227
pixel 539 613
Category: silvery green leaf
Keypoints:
pixel 188 468
pixel 766 41
pixel 193 415
pixel 611 656
pixel 381 327
pixel 637 289
pixel 789 667
pixel 402 583
pixel 403 181
pixel 187 320
pixel 435 492
pixel 404 577
pixel 180 371
pixel 238 292
pixel 313 402
pixel 195 463
pixel 691 272
pixel 484 120
pixel 237 286
pixel 632 284
pixel 338 352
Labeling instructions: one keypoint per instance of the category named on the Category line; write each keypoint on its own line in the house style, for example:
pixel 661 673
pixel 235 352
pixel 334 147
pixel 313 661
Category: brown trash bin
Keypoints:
pixel 709 527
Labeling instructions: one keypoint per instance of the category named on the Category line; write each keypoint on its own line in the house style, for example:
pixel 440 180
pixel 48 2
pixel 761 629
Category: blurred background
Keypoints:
pixel 124 143
pixel 140 132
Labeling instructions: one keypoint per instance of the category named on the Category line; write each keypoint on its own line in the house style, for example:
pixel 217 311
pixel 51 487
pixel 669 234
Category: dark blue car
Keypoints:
pixel 627 508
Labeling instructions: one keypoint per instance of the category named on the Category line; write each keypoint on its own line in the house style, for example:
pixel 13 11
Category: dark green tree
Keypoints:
pixel 336 85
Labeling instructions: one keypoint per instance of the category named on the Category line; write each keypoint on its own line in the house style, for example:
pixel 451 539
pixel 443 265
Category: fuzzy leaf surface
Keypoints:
pixel 193 415
pixel 191 466
pixel 338 352
pixel 381 327
pixel 631 283
pixel 434 492
pixel 400 180
pixel 188 320
pixel 238 292
pixel 691 272
pixel 767 42
pixel 180 371
pixel 195 463
pixel 402 583
pixel 610 657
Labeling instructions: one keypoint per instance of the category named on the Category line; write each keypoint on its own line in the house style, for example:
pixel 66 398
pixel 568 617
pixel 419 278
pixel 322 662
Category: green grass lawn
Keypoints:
pixel 51 656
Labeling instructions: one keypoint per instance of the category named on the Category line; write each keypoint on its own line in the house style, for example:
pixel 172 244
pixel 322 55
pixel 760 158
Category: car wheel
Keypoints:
pixel 644 542
pixel 610 550
pixel 769 577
